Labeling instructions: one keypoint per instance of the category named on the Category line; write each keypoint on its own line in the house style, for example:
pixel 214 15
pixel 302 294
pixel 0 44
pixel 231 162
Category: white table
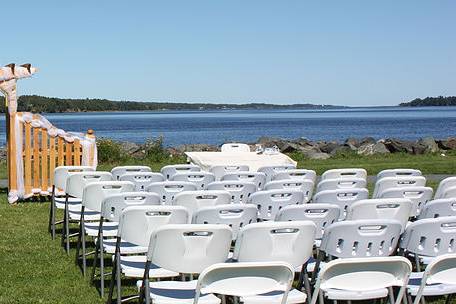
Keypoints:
pixel 208 159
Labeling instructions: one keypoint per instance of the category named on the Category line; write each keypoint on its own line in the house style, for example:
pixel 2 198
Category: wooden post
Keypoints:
pixel 44 160
pixel 77 152
pixel 36 158
pixel 28 158
pixel 91 135
pixel 61 158
pixel 12 153
pixel 51 159
pixel 69 154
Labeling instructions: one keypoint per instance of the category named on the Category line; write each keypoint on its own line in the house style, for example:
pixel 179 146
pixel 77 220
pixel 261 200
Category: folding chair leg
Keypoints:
pixel 321 300
pixel 67 227
pixel 94 264
pixel 391 295
pixel 307 285
pixel 111 283
pixel 101 266
pixel 84 260
pixel 119 283
pixel 78 245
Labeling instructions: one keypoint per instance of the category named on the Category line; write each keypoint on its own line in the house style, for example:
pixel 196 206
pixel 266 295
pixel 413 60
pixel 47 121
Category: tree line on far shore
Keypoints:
pixel 431 101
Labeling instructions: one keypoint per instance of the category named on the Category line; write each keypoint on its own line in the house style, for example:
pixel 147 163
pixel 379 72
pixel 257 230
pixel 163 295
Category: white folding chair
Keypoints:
pixel 271 170
pixel 136 225
pixel 290 242
pixel 398 173
pixel 168 190
pixel 341 183
pixel 186 249
pixel 58 194
pixel 240 191
pixel 194 200
pixel 117 172
pixel 270 202
pixel 234 215
pixel 439 207
pixel 258 178
pixel 341 197
pixel 381 208
pixel 142 179
pixel 295 174
pixel 170 170
pixel 446 183
pixel 439 278
pixel 449 193
pixel 305 186
pixel 246 280
pixel 428 238
pixel 201 179
pixel 419 196
pixel 92 196
pixel 387 183
pixel 363 279
pixel 344 173
pixel 74 189
pixel 221 170
pixel 111 210
pixel 235 147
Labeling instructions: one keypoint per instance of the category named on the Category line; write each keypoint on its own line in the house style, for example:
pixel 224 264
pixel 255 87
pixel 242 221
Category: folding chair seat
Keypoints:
pixel 295 174
pixel 398 173
pixel 387 183
pixel 170 170
pixel 194 200
pixel 240 191
pixel 269 171
pixel 169 189
pixel 439 207
pixel 290 242
pixel 117 172
pixel 136 225
pixel 142 179
pixel 221 170
pixel 258 178
pixel 201 179
pixel 235 147
pixel 418 196
pixel 343 198
pixel 341 183
pixel 362 279
pixel 446 183
pixel 234 215
pixel 185 249
pixel 270 202
pixel 305 186
pixel 348 173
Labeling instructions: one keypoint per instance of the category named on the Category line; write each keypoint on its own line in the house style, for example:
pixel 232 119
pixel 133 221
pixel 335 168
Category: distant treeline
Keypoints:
pixel 40 104
pixel 431 101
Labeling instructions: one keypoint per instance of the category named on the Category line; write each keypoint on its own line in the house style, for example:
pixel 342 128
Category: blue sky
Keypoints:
pixel 332 52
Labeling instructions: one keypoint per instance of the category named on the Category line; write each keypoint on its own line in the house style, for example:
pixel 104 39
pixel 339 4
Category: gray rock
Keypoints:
pixel 447 144
pixel 328 147
pixel 351 142
pixel 341 149
pixel 129 147
pixel 429 144
pixel 396 145
pixel 318 155
pixel 371 149
pixel 367 140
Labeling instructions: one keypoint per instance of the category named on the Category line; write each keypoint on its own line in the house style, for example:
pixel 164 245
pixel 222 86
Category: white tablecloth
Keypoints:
pixel 208 159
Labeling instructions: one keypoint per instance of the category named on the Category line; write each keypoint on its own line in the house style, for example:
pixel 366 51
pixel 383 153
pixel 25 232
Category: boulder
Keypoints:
pixel 447 144
pixel 327 147
pixel 396 145
pixel 129 147
pixel 341 149
pixel 367 140
pixel 419 149
pixel 352 143
pixel 371 149
pixel 429 144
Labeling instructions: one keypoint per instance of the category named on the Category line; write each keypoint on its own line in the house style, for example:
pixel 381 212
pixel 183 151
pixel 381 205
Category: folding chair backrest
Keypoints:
pixel 61 174
pixel 234 215
pixel 194 200
pixel 343 198
pixel 189 248
pixel 142 179
pixel 439 207
pixel 240 191
pixel 246 279
pixel 322 215
pixel 94 193
pixel 341 183
pixel 117 172
pixel 235 147
pixel 291 242
pixel 113 205
pixel 220 170
pixel 271 170
pixel 168 190
pixel 344 173
pixel 298 174
pixel 430 237
pixel 201 179
pixel 78 180
pixel 170 170
pixel 398 173
pixel 269 202
pixel 137 223
pixel 442 270
pixel 258 178
pixel 305 186
pixel 419 196
pixel 449 193
pixel 446 183
pixel 387 183
pixel 361 238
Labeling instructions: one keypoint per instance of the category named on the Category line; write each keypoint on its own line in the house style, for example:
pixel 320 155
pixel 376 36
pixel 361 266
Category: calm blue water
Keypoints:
pixel 216 127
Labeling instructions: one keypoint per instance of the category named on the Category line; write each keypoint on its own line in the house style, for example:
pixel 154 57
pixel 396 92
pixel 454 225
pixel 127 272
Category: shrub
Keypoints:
pixel 109 151
pixel 155 151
